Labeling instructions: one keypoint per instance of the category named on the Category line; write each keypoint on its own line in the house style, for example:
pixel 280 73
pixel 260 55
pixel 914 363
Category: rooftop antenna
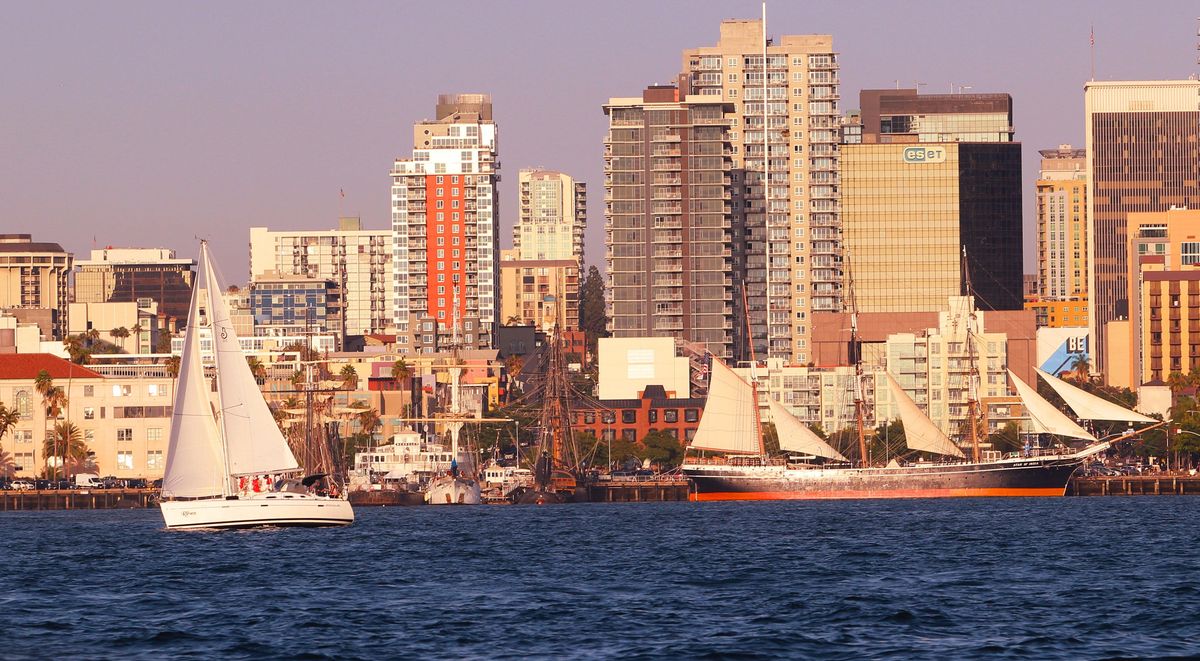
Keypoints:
pixel 1092 47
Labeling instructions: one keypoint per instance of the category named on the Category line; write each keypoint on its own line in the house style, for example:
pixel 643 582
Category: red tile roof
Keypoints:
pixel 28 365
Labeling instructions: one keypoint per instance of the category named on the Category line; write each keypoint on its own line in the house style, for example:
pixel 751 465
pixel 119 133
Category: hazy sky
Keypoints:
pixel 148 123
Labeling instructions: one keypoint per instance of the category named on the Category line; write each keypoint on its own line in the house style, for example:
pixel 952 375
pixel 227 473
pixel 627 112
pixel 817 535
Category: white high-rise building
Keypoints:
pixel 552 218
pixel 445 225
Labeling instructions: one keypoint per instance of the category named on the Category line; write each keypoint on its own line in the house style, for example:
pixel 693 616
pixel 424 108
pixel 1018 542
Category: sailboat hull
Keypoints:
pixel 449 490
pixel 1029 477
pixel 260 510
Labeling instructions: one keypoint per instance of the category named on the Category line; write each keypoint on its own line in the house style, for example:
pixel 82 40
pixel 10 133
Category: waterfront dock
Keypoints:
pixel 1135 485
pixel 83 499
pixel 635 491
pixel 386 498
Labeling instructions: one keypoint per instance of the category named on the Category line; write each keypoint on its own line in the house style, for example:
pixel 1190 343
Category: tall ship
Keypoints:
pixel 228 464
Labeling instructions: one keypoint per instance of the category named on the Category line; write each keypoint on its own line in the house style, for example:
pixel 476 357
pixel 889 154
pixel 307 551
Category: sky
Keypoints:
pixel 150 124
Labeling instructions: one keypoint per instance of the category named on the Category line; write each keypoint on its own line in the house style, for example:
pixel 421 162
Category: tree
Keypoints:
pixel 887 441
pixel 137 336
pixel 8 422
pixel 163 345
pixel 78 349
pixel 172 363
pixel 62 447
pixel 402 374
pixel 593 320
pixel 1006 439
pixel 369 422
pixel 302 351
pixel 349 378
pixel 663 448
pixel 1081 367
pixel 257 369
pixel 120 333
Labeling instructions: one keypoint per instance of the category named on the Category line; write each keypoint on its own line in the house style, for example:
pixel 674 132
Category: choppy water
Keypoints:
pixel 1041 578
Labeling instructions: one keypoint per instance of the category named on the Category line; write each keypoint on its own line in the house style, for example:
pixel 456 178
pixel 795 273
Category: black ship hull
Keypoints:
pixel 1047 476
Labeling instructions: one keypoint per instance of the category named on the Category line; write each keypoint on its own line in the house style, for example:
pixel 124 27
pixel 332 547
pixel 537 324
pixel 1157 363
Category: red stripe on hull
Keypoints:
pixel 888 494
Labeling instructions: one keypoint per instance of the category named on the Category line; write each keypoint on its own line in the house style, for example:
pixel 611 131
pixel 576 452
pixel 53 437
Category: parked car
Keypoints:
pixel 22 485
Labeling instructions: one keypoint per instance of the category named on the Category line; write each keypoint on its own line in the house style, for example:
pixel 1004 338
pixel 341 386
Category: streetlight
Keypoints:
pixel 1180 431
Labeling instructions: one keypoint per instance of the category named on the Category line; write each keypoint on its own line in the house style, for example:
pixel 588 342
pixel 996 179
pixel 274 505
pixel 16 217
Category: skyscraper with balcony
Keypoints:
pixel 1141 157
pixel 1062 224
pixel 669 229
pixel 445 222
pixel 788 102
pixel 552 216
pixel 35 281
pixel 358 260
pixel 933 177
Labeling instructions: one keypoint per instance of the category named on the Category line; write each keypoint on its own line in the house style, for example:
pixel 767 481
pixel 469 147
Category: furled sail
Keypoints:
pixel 195 459
pixel 730 420
pixel 1090 407
pixel 919 431
pixel 252 439
pixel 1046 418
pixel 795 436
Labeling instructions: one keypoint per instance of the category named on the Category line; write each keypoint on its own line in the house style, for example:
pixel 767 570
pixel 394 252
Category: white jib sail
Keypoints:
pixel 195 461
pixel 1088 406
pixel 1045 417
pixel 252 439
pixel 729 422
pixel 795 436
pixel 919 431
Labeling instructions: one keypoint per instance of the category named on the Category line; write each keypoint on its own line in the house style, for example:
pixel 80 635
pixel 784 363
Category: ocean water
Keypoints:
pixel 1068 578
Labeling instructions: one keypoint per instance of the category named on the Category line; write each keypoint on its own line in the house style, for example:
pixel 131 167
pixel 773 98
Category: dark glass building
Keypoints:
pixel 128 275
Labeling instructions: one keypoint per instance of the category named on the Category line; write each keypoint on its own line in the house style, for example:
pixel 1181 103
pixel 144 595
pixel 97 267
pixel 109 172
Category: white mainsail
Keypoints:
pixel 195 459
pixel 730 420
pixel 795 436
pixel 253 441
pixel 919 431
pixel 1090 407
pixel 1046 418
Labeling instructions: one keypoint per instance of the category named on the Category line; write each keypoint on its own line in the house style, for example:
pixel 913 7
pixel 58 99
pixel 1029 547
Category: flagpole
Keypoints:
pixel 1092 48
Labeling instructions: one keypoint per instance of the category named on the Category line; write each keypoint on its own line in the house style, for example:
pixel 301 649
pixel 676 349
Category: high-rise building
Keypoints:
pixel 445 228
pixel 1141 156
pixel 1062 224
pixel 789 100
pixel 669 230
pixel 130 275
pixel 35 282
pixel 935 176
pixel 357 260
pixel 539 292
pixel 295 305
pixel 552 216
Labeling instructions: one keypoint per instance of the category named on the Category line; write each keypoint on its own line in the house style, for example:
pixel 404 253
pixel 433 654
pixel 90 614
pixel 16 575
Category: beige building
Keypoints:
pixel 539 292
pixel 356 259
pixel 1141 142
pixel 1062 225
pixel 141 324
pixel 137 275
pixel 35 276
pixel 789 102
pixel 552 216
pixel 445 228
pixel 628 364
pixel 124 421
pixel 669 220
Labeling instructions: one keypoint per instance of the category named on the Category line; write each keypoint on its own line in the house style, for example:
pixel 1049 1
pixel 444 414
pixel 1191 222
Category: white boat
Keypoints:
pixel 226 460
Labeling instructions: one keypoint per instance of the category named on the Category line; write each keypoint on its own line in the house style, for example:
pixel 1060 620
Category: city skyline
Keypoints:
pixel 159 122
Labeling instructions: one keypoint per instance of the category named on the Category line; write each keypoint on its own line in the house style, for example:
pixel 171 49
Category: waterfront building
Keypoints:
pixel 1164 289
pixel 1141 138
pixel 552 216
pixel 123 418
pixel 1062 225
pixel 133 327
pixel 138 275
pixel 296 305
pixel 669 219
pixel 543 293
pixel 445 228
pixel 936 176
pixel 631 419
pixel 796 213
pixel 358 260
pixel 35 282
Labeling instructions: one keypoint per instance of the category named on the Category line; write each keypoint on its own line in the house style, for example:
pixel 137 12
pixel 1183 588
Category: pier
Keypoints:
pixel 635 491
pixel 1135 485
pixel 83 499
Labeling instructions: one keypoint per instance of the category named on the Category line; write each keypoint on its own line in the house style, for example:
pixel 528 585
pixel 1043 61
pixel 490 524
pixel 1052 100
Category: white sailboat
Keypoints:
pixel 214 454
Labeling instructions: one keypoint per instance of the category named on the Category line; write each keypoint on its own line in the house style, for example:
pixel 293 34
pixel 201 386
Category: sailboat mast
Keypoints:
pixel 210 285
pixel 856 357
pixel 973 377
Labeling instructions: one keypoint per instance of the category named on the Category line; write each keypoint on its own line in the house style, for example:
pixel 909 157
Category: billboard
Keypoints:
pixel 1058 348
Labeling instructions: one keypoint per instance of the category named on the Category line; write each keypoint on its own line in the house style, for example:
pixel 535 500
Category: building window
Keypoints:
pixel 89 413
pixel 608 417
pixel 628 417
pixel 154 434
pixel 671 415
pixel 652 415
pixel 1189 253
pixel 629 435
pixel 125 434
pixel 589 418
pixel 125 460
pixel 691 415
pixel 89 391
pixel 154 459
pixel 22 405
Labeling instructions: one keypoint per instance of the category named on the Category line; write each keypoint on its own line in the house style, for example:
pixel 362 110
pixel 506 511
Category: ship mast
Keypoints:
pixel 973 375
pixel 856 358
pixel 762 448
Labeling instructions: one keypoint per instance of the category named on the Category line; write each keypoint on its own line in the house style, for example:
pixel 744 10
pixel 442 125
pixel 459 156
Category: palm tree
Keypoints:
pixel 77 349
pixel 1081 367
pixel 120 333
pixel 257 369
pixel 91 335
pixel 369 422
pixel 137 336
pixel 172 364
pixel 349 378
pixel 64 446
pixel 8 422
pixel 402 373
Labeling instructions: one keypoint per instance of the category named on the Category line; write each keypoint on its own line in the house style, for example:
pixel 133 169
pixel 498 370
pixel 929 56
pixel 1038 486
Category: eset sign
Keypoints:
pixel 924 154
